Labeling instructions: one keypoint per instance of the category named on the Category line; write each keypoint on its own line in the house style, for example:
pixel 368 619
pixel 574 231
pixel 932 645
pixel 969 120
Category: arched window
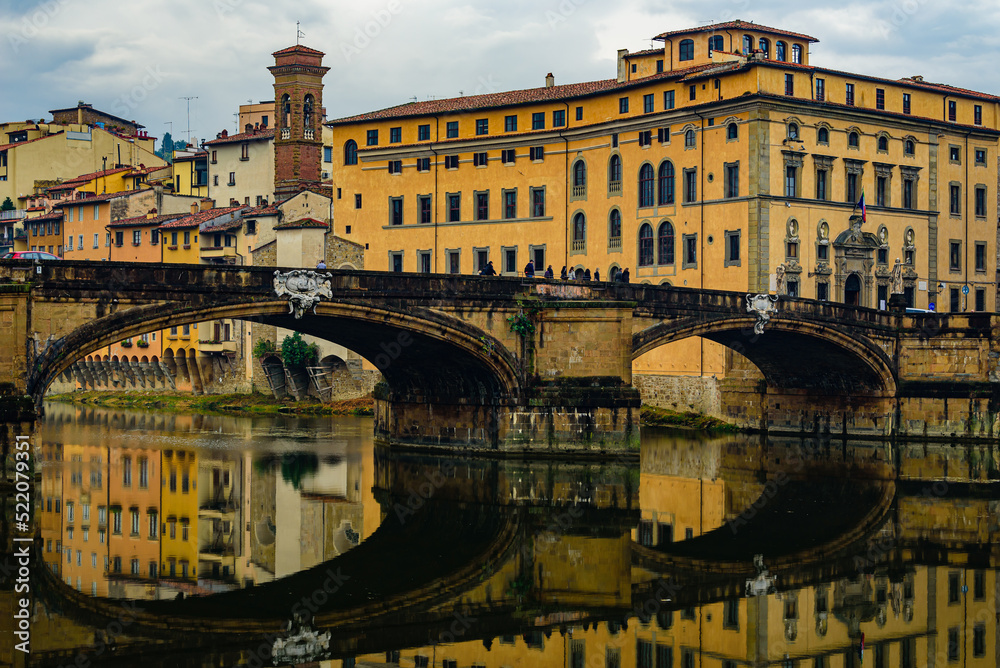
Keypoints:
pixel 351 152
pixel 615 173
pixel 853 140
pixel 579 229
pixel 823 136
pixel 797 53
pixel 715 43
pixel 793 130
pixel 883 143
pixel 765 46
pixel 909 148
pixel 615 225
pixel 665 183
pixel 686 49
pixel 286 110
pixel 580 174
pixel 307 112
pixel 732 131
pixel 665 243
pixel 646 245
pixel 689 139
pixel 747 45
pixel 779 50
pixel 646 185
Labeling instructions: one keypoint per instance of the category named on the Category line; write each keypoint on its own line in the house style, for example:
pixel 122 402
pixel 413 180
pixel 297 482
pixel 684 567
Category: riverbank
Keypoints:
pixel 263 404
pixel 216 404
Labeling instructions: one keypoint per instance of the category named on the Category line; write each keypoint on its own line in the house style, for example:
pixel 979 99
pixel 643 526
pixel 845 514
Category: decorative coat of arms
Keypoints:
pixel 304 289
pixel 764 307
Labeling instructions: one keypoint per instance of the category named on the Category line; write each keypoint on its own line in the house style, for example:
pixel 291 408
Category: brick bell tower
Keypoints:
pixel 298 131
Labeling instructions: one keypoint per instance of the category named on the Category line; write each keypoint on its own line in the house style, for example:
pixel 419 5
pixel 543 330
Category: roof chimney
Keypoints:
pixel 917 77
pixel 194 208
pixel 207 203
pixel 622 66
pixel 550 80
pixel 151 214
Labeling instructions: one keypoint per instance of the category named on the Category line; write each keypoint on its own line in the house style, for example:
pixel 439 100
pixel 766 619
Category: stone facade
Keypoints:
pixel 700 394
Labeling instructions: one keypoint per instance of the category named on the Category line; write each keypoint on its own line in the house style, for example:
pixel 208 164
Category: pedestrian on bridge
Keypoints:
pixel 529 269
pixel 548 272
pixel 562 274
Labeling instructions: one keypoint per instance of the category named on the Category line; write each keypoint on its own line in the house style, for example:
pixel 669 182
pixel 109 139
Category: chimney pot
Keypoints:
pixel 194 208
pixel 207 203
pixel 550 80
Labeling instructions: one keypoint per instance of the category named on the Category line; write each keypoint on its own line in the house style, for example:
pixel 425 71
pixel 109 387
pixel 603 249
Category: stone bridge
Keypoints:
pixel 506 363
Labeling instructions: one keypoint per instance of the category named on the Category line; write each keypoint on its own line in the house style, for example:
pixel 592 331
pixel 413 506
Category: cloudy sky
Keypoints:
pixel 138 60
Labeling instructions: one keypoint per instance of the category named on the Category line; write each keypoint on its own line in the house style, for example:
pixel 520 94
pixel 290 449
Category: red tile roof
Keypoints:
pixel 139 221
pixel 97 175
pixel 515 97
pixel 196 219
pixel 298 48
pixel 736 25
pixel 646 52
pixel 267 210
pixel 99 198
pixel 243 136
pixel 52 215
pixel 30 141
pixel 302 223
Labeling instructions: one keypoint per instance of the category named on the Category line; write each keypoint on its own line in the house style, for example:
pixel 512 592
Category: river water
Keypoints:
pixel 182 540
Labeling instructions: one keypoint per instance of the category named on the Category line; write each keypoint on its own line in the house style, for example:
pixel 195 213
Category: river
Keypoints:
pixel 183 540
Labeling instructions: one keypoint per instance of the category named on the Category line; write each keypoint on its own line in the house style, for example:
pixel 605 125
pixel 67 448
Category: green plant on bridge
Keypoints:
pixel 523 322
pixel 297 353
pixel 263 348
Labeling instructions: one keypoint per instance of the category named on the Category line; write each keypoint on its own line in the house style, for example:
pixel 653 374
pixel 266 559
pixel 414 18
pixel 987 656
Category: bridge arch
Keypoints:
pixel 792 353
pixel 406 345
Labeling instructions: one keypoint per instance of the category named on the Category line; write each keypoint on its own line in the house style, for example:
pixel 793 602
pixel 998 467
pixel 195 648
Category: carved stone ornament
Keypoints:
pixel 304 288
pixel 302 643
pixel 764 307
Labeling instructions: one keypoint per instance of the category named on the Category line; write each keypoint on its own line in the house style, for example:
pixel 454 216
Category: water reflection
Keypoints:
pixel 881 556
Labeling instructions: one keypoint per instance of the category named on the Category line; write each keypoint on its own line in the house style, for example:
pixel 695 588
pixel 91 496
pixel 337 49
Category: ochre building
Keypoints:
pixel 705 163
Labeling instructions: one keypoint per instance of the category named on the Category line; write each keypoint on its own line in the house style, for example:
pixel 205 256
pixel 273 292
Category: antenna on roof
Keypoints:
pixel 414 98
pixel 298 33
pixel 461 92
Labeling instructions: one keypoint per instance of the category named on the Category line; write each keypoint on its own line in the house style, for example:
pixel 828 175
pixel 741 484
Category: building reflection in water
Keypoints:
pixel 208 505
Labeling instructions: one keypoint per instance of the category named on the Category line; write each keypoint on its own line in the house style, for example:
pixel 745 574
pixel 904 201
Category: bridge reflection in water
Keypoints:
pixel 635 562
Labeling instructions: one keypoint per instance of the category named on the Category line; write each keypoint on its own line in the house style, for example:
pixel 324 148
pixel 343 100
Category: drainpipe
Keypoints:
pixel 965 265
pixel 436 203
pixel 730 41
pixel 701 236
pixel 567 190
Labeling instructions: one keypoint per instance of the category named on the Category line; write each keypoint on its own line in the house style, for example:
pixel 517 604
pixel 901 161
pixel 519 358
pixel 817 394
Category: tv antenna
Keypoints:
pixel 193 97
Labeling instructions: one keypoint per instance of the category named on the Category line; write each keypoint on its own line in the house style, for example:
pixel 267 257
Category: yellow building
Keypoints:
pixel 706 163
pixel 179 512
pixel 190 170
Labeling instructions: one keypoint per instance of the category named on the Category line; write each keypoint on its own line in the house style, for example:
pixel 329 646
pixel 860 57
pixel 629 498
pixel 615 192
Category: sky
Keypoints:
pixel 140 60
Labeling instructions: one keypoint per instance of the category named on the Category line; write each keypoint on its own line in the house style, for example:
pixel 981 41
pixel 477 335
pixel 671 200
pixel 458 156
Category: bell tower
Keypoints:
pixel 298 131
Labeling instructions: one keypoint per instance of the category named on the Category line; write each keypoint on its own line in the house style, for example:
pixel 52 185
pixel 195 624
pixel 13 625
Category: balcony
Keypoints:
pixel 286 133
pixel 614 244
pixel 309 133
pixel 217 346
pixel 579 246
pixel 15 214
pixel 579 192
pixel 215 252
pixel 614 187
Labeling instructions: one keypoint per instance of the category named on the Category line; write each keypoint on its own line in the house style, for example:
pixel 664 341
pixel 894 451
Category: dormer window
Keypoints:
pixel 765 46
pixel 797 54
pixel 779 51
pixel 747 45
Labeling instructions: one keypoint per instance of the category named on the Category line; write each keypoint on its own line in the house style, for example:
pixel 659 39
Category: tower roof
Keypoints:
pixel 735 25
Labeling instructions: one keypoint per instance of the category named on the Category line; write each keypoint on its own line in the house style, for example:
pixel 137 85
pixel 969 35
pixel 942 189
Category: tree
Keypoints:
pixel 7 205
pixel 297 353
pixel 166 148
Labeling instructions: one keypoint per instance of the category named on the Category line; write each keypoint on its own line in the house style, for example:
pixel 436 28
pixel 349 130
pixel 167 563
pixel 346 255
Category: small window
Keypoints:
pixel 955 154
pixel 981 256
pixel 779 50
pixel 350 153
pixel 538 120
pixel 764 45
pixel 645 138
pixel 423 164
pixel 357 205
pixel 732 249
pixel 732 131
pixel 424 208
pixel 372 139
pixel 906 103
pixel 579 113
pixel 647 103
pixel 395 166
pixel 451 162
pixel 668 100
pixel 454 208
pixel 692 92
pixel 559 118
pixel 716 43
pixel 686 50
pixel 952 110
pixel 883 144
pixel 977 115
pixel 820 90
pixel 849 95
pixel 955 192
pixel 689 139
pixel 823 136
pixel 789 85
pixel 880 98
pixel 980 156
pixel 510 123
pixel 395 135
pixel 395 210
pixel 536 153
pixel 507 156
pixel 980 201
pixel 482 126
pixel 797 54
pixel 623 105
pixel 853 140
pixel 793 130
pixel 909 147
pixel 423 132
pixel 480 159
pixel 451 129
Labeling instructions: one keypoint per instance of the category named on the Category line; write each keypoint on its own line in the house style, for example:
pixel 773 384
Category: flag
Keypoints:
pixel 864 210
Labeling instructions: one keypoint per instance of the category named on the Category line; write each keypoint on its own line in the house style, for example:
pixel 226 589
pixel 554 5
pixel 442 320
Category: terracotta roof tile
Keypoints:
pixel 515 97
pixel 736 25
pixel 645 52
pixel 139 221
pixel 99 198
pixel 196 219
pixel 298 48
pixel 302 223
pixel 52 215
pixel 268 210
pixel 243 136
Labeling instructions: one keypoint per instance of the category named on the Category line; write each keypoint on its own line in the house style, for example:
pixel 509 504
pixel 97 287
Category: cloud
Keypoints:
pixel 385 52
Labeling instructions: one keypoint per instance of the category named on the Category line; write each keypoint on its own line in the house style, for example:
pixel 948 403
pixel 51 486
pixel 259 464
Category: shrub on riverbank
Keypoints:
pixel 225 404
pixel 653 416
